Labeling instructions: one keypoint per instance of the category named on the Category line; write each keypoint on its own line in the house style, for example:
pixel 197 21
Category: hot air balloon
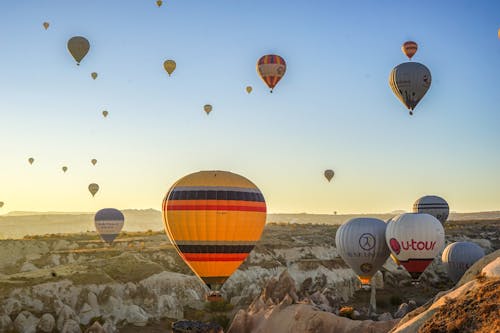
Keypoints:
pixel 159 3
pixel 329 174
pixel 214 219
pixel 433 205
pixel 78 47
pixel 415 239
pixel 393 257
pixel 249 89
pixel 207 108
pixel 409 49
pixel 410 81
pixel 31 160
pixel 1 204
pixel 105 113
pixel 93 75
pixel 108 223
pixel 459 256
pixel 64 168
pixel 361 243
pixel 93 161
pixel 271 69
pixel 499 33
pixel 93 188
pixel 46 25
pixel 169 66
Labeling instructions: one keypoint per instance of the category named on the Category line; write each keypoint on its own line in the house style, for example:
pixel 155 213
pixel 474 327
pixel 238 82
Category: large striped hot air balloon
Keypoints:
pixel 214 219
pixel 271 69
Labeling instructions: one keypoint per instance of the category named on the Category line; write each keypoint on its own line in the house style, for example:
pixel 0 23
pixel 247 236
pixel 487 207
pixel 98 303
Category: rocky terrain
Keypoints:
pixel 64 283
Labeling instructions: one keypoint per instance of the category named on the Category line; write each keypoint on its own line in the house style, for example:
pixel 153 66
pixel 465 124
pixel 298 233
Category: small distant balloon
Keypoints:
pixel 499 33
pixel 94 75
pixel 64 168
pixel 207 108
pixel 93 161
pixel 93 188
pixel 169 66
pixel 271 68
pixel 409 48
pixel 1 204
pixel 105 113
pixel 78 47
pixel 329 174
pixel 108 223
pixel 249 89
pixel 159 3
pixel 46 25
pixel 31 160
pixel 433 205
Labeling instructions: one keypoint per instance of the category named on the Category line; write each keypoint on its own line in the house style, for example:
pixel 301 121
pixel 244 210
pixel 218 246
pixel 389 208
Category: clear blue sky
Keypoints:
pixel 333 109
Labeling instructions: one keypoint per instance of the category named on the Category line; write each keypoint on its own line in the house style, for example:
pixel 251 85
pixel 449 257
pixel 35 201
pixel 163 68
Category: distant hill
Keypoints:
pixel 18 224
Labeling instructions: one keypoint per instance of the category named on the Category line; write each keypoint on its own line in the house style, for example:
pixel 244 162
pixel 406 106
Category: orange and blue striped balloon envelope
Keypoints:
pixel 271 69
pixel 214 219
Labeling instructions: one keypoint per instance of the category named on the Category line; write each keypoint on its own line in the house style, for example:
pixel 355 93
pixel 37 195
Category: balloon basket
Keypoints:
pixel 214 296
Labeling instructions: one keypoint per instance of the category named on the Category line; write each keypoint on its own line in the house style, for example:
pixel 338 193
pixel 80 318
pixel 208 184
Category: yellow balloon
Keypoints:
pixel 214 219
pixel 105 113
pixel 78 47
pixel 46 25
pixel 249 89
pixel 159 3
pixel 64 168
pixel 169 66
pixel 93 188
pixel 93 161
pixel 498 33
pixel 207 108
pixel 94 75
pixel 31 160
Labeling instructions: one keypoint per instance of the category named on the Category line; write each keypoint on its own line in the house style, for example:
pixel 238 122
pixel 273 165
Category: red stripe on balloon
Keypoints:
pixel 217 207
pixel 215 256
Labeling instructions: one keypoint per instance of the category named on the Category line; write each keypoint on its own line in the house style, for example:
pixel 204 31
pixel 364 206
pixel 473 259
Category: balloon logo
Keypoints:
pixel 367 241
pixel 395 245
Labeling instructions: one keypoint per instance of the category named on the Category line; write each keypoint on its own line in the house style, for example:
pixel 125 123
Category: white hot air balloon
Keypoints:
pixel 393 257
pixel 433 205
pixel 459 256
pixel 108 223
pixel 415 240
pixel 410 81
pixel 361 243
